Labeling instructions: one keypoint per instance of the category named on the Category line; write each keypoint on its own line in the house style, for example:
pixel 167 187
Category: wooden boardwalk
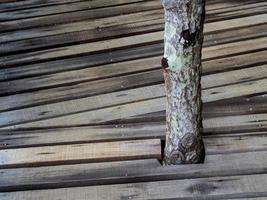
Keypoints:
pixel 82 102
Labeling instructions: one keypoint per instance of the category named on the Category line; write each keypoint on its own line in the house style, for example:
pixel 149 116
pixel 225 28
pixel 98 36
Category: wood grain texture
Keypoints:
pixel 78 153
pixel 129 171
pixel 226 187
pixel 59 93
pixel 125 42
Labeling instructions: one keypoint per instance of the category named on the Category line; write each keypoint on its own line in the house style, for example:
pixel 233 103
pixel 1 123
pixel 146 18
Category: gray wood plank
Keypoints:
pixel 204 188
pixel 80 153
pixel 129 171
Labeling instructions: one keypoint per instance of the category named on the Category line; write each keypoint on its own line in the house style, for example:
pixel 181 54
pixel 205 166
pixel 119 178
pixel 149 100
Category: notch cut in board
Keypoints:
pixel 81 153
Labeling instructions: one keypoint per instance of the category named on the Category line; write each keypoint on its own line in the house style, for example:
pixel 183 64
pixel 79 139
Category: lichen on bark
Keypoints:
pixel 182 73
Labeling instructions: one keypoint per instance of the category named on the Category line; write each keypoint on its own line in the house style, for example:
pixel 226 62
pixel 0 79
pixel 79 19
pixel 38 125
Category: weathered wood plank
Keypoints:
pixel 230 90
pixel 236 144
pixel 149 38
pixel 6 5
pixel 208 188
pixel 138 94
pixel 49 9
pixel 234 62
pixel 238 11
pixel 105 12
pixel 80 90
pixel 81 62
pixel 96 24
pixel 82 75
pixel 78 153
pixel 212 66
pixel 95 30
pixel 117 113
pixel 80 15
pixel 37 43
pixel 106 71
pixel 80 105
pixel 87 134
pixel 235 90
pixel 129 171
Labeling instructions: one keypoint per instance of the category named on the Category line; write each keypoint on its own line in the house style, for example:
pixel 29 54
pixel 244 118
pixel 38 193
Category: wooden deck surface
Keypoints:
pixel 82 103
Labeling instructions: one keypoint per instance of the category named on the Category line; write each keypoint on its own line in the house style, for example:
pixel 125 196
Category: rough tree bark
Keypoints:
pixel 182 73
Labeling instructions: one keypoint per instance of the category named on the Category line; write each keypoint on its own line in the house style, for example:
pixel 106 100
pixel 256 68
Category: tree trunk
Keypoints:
pixel 182 73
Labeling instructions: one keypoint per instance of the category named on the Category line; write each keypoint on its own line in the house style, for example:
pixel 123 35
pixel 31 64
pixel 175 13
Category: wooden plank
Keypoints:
pixel 119 131
pixel 82 75
pixel 99 116
pixel 81 90
pixel 87 134
pixel 81 62
pixel 79 16
pixel 80 105
pixel 236 123
pixel 79 153
pixel 237 11
pixel 203 188
pixel 96 24
pixel 212 66
pixel 236 76
pixel 254 122
pixel 49 9
pixel 235 144
pixel 63 93
pixel 149 38
pixel 85 15
pixel 104 133
pixel 129 171
pixel 81 49
pixel 236 106
pixel 231 91
pixel 98 28
pixel 117 113
pixel 6 5
pixel 119 69
pixel 213 38
pixel 234 62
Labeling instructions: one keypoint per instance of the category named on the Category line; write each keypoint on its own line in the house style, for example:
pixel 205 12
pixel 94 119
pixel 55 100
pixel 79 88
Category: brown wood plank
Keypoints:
pixel 117 113
pixel 212 66
pixel 105 12
pixel 37 43
pixel 245 106
pixel 90 30
pixel 218 187
pixel 78 153
pixel 129 171
pixel 235 90
pixel 82 75
pixel 80 15
pixel 106 71
pixel 234 62
pixel 45 8
pixel 87 134
pixel 90 27
pixel 6 5
pixel 80 105
pixel 237 83
pixel 237 11
pixel 149 38
pixel 80 90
